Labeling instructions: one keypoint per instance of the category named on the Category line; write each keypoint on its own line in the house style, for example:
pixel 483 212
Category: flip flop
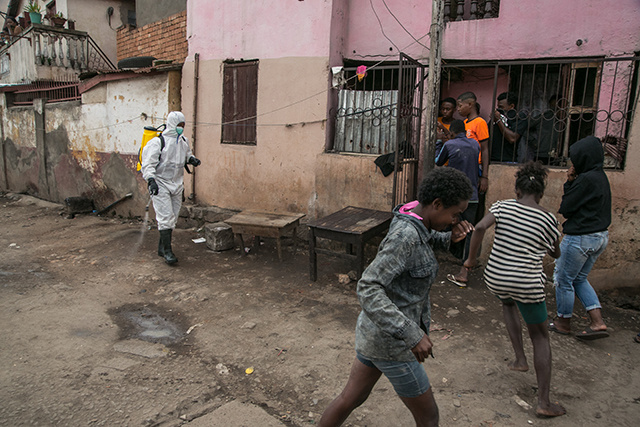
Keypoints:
pixel 554 328
pixel 637 338
pixel 452 279
pixel 589 334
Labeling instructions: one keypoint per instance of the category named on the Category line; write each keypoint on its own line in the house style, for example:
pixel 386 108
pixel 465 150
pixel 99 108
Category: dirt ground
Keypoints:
pixel 82 300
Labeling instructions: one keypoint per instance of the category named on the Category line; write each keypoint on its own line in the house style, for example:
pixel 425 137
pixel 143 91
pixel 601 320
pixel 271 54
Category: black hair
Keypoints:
pixel 456 126
pixel 467 95
pixel 511 98
pixel 531 178
pixel 447 184
pixel 472 96
pixel 449 100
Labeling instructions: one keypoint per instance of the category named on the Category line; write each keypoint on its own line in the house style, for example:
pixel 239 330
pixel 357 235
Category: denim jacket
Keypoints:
pixel 394 290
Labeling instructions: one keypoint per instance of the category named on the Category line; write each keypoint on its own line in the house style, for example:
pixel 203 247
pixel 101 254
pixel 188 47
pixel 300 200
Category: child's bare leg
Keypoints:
pixel 539 334
pixel 463 274
pixel 361 381
pixel 597 323
pixel 424 409
pixel 514 329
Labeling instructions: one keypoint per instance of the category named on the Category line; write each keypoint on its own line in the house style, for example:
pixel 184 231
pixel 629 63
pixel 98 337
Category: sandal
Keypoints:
pixel 553 328
pixel 452 278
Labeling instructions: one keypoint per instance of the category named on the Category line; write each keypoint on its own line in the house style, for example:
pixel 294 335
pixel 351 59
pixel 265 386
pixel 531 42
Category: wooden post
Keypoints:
pixel 432 89
pixel 44 191
pixel 194 133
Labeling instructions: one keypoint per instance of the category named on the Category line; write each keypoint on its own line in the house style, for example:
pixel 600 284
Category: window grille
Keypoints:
pixel 558 102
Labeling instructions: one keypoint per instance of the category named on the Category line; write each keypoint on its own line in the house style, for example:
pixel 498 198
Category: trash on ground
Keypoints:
pixel 193 327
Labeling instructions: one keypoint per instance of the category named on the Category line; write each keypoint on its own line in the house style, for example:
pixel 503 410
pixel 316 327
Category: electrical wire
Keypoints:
pixel 403 27
pixel 381 28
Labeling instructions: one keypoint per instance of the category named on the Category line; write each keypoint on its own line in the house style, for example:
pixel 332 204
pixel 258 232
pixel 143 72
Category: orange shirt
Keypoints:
pixel 446 126
pixel 477 129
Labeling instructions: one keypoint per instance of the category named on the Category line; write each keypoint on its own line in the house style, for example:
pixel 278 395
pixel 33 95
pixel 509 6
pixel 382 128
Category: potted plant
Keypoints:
pixel 35 12
pixel 58 20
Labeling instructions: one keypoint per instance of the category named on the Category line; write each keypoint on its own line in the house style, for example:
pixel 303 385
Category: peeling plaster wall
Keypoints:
pixel 90 147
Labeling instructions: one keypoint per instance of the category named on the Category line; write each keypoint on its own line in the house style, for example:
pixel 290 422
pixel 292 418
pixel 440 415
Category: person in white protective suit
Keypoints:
pixel 163 170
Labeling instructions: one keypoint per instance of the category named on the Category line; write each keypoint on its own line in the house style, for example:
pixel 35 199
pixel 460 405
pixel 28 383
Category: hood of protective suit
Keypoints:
pixel 587 154
pixel 173 119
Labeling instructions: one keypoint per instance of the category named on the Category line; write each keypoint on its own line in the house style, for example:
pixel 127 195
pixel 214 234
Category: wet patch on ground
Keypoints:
pixel 151 323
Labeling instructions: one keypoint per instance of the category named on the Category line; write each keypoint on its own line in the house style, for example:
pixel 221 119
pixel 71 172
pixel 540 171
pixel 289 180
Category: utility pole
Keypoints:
pixel 432 88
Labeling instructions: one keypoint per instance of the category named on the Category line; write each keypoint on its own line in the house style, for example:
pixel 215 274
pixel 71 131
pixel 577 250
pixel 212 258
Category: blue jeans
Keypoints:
pixel 408 379
pixel 578 254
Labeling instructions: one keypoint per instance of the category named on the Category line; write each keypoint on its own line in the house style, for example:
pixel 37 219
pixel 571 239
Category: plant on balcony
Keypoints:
pixel 58 20
pixel 35 12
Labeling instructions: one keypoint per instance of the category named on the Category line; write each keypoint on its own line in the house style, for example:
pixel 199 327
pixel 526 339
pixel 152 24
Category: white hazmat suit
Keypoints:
pixel 165 167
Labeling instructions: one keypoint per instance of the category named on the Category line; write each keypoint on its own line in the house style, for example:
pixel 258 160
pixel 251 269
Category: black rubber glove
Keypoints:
pixel 152 185
pixel 193 161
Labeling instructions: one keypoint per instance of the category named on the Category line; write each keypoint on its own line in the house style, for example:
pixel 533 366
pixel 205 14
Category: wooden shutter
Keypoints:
pixel 239 102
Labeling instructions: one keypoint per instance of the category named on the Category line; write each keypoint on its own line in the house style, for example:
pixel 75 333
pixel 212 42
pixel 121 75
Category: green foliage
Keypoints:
pixel 33 7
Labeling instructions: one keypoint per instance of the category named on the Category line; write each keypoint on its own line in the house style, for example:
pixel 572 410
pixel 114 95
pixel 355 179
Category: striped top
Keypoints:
pixel 523 235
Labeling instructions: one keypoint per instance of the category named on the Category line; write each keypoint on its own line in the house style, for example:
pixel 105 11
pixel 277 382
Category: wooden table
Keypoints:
pixel 351 225
pixel 264 224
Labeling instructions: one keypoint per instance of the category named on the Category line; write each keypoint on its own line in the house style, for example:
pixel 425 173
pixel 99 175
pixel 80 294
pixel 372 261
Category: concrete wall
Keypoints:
pixel 150 11
pixel 278 173
pixel 87 148
pixel 91 16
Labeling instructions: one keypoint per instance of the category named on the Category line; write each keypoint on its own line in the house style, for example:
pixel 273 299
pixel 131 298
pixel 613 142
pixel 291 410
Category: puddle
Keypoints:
pixel 149 323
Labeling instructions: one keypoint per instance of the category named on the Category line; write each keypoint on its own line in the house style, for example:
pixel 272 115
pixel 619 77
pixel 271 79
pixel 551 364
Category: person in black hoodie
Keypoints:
pixel 586 205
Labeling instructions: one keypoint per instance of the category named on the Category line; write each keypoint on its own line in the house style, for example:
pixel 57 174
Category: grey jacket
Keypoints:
pixel 394 291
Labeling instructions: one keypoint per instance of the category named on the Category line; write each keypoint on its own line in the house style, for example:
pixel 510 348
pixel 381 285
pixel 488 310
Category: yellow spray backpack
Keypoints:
pixel 149 133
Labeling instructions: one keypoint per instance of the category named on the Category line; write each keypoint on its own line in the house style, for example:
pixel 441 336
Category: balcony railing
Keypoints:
pixel 43 52
pixel 467 10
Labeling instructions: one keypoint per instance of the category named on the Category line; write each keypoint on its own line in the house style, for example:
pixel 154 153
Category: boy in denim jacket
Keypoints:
pixel 392 329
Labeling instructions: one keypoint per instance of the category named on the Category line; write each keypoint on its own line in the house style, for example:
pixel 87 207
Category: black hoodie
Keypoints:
pixel 586 203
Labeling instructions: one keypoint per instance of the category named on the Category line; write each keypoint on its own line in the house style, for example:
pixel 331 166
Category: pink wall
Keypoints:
pixel 262 29
pixel 365 38
pixel 548 28
pixel 544 28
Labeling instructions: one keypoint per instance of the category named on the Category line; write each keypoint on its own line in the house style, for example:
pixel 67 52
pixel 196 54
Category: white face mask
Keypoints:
pixel 179 130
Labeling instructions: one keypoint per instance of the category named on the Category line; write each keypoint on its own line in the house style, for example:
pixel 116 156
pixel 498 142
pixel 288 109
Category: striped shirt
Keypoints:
pixel 523 235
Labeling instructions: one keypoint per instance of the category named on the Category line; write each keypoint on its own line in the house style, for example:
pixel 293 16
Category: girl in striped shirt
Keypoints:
pixel 524 233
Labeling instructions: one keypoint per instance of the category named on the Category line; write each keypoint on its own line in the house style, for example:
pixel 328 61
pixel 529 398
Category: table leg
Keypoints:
pixel 294 237
pixel 242 251
pixel 359 259
pixel 279 245
pixel 313 257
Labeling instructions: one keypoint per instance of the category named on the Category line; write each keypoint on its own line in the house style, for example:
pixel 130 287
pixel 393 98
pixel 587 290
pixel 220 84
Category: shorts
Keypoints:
pixel 532 313
pixel 408 379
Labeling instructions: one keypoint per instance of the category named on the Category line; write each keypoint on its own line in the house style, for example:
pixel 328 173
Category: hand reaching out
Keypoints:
pixel 460 231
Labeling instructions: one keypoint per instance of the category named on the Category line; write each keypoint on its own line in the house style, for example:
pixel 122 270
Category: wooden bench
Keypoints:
pixel 264 224
pixel 351 225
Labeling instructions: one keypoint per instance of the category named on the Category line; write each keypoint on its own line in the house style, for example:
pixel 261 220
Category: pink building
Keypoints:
pixel 286 125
